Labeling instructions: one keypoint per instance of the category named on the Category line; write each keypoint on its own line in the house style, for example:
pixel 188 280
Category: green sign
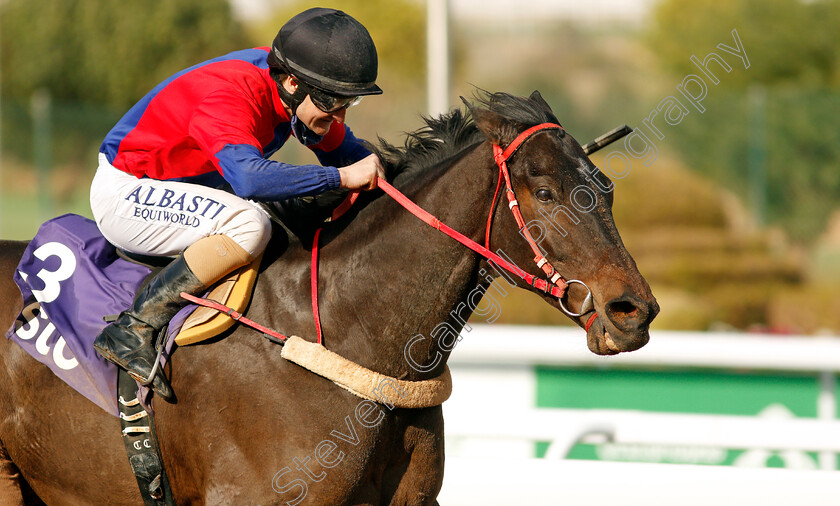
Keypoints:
pixel 701 392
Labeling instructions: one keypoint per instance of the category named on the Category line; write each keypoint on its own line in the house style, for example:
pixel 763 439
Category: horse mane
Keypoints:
pixel 498 117
pixel 494 116
pixel 440 139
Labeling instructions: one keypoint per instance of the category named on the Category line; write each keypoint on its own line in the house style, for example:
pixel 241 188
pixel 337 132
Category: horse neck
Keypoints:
pixel 389 277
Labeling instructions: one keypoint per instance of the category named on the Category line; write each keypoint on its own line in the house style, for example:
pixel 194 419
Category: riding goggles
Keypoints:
pixel 327 102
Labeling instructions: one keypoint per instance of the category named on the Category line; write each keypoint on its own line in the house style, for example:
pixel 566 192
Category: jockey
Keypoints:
pixel 179 173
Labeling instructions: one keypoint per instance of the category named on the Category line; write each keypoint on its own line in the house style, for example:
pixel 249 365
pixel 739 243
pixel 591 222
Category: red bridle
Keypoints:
pixel 501 157
pixel 560 285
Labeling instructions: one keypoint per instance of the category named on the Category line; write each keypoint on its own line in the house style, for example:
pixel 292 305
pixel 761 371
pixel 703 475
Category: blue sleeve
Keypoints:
pixel 350 151
pixel 253 177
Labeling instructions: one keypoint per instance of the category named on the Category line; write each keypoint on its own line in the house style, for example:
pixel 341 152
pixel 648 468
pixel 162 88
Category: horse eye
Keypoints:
pixel 543 194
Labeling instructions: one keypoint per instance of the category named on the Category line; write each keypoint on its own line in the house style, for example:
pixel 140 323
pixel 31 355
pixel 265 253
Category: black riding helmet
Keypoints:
pixel 326 50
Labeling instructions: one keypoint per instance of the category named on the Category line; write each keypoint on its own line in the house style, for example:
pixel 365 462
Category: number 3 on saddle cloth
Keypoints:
pixel 70 276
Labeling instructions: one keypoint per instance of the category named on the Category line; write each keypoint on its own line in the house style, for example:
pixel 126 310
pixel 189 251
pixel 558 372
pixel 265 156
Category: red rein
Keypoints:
pixel 555 284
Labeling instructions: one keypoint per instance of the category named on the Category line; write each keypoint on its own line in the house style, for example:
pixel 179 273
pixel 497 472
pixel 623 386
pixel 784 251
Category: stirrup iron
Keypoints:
pixel 161 344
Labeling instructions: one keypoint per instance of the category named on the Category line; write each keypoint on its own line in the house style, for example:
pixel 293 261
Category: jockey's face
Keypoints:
pixel 313 117
pixel 317 120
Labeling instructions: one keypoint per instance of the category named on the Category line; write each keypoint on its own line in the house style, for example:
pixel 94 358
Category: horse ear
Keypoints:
pixel 537 98
pixel 490 123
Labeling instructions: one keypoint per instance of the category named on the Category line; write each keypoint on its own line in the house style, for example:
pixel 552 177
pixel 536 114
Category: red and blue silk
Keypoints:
pixel 218 122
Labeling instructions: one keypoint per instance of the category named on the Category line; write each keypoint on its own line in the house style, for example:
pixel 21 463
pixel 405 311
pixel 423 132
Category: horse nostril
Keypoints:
pixel 626 314
pixel 622 308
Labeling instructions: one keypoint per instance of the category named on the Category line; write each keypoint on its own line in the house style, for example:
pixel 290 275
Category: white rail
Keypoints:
pixel 531 345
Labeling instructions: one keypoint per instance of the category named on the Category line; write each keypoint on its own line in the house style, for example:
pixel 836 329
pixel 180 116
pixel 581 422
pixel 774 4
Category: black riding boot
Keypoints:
pixel 129 341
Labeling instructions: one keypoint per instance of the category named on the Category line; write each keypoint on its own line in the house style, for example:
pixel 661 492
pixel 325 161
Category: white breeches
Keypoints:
pixel 163 218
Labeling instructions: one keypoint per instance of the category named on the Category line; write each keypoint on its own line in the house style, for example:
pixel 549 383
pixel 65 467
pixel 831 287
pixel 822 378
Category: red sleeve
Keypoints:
pixel 226 117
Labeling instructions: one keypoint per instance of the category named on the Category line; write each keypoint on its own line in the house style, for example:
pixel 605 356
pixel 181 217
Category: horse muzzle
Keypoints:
pixel 623 324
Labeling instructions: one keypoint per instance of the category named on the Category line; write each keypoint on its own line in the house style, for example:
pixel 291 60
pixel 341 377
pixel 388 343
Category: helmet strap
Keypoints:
pixel 293 100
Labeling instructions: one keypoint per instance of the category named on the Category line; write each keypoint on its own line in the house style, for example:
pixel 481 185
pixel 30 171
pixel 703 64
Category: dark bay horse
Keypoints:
pixel 251 428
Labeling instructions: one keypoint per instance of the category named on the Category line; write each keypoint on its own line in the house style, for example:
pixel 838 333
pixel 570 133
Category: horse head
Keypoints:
pixel 566 206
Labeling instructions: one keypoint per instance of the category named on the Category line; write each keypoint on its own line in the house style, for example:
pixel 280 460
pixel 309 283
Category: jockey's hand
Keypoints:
pixel 362 174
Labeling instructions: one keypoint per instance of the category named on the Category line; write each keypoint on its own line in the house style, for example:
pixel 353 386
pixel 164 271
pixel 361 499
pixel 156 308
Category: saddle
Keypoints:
pixel 233 291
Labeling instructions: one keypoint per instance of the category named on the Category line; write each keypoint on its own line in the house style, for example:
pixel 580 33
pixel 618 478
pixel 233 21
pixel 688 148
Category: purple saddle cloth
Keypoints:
pixel 70 277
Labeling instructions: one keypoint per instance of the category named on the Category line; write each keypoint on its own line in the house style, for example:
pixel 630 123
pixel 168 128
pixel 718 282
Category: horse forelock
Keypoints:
pixel 449 134
pixel 506 116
